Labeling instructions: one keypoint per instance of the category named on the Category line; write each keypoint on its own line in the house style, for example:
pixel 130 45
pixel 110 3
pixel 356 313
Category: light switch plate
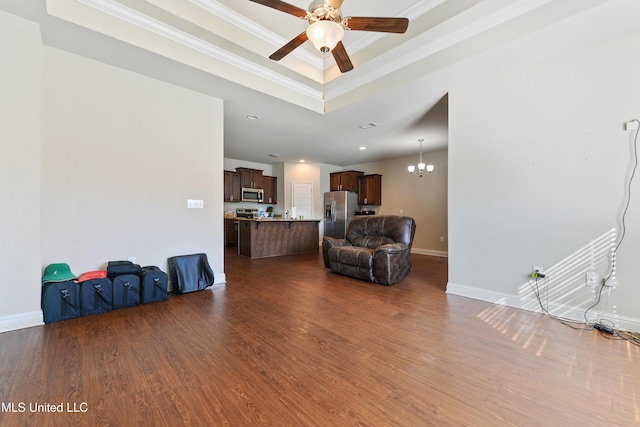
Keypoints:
pixel 195 204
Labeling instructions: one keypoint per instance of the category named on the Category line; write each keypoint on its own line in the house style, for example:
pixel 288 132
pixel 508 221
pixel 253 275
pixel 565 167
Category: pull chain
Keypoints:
pixel 324 59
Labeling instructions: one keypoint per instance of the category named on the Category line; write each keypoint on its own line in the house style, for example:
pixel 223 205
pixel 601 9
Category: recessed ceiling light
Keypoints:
pixel 363 148
pixel 301 160
pixel 368 125
pixel 252 117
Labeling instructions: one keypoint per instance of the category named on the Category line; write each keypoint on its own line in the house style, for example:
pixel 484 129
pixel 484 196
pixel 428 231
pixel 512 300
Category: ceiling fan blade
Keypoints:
pixel 283 7
pixel 384 25
pixel 342 58
pixel 336 4
pixel 289 47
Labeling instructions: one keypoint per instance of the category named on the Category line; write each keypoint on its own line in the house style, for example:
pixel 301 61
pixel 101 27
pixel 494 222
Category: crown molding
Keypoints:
pixel 415 11
pixel 465 32
pixel 411 13
pixel 159 28
pixel 216 8
pixel 234 18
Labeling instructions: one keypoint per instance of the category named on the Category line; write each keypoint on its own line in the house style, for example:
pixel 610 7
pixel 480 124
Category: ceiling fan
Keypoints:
pixel 327 27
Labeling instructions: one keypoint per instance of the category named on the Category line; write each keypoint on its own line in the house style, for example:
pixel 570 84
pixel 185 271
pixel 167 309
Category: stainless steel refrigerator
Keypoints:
pixel 339 208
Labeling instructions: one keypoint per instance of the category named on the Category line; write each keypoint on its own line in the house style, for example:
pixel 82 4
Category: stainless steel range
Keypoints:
pixel 246 212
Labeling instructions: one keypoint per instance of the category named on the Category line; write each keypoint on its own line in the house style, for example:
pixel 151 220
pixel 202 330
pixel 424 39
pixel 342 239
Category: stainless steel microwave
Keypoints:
pixel 252 195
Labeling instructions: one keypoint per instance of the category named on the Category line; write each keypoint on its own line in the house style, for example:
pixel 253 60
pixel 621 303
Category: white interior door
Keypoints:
pixel 302 199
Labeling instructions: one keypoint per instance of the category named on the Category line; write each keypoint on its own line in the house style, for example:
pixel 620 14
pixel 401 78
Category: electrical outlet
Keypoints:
pixel 591 278
pixel 537 272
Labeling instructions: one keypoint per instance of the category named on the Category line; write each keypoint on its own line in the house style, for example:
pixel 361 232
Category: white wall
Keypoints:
pixel 539 162
pixel 99 164
pixel 424 199
pixel 122 154
pixel 20 140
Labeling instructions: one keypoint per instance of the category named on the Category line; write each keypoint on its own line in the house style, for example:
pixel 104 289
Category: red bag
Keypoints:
pixel 89 275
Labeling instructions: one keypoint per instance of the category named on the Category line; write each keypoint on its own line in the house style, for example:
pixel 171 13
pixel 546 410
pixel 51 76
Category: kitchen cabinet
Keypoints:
pixel 231 186
pixel 370 190
pixel 270 189
pixel 250 178
pixel 344 181
pixel 230 232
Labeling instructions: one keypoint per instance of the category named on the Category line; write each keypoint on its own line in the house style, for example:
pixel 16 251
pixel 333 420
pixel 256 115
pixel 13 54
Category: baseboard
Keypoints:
pixel 530 304
pixel 430 252
pixel 21 321
pixel 218 279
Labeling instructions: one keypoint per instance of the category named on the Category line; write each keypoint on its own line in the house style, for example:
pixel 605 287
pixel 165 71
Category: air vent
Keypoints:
pixel 368 126
pixel 273 155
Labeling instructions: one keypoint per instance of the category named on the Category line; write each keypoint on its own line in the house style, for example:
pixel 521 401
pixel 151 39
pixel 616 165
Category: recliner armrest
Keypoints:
pixel 391 263
pixel 391 248
pixel 331 242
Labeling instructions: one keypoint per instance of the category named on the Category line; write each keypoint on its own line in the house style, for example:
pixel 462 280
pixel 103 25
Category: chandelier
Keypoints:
pixel 422 167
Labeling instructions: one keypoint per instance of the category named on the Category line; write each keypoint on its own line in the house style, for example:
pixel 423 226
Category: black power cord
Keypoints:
pixel 624 225
pixel 606 330
pixel 565 321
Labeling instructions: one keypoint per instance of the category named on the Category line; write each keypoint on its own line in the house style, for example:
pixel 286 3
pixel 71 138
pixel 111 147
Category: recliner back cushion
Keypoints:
pixel 381 229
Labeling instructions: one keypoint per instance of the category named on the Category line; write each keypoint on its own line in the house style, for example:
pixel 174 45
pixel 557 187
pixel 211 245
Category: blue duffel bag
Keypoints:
pixel 126 291
pixel 153 283
pixel 96 296
pixel 60 294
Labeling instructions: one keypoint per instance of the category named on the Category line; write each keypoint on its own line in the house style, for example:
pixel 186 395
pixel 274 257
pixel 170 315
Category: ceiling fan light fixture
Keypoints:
pixel 327 26
pixel 325 35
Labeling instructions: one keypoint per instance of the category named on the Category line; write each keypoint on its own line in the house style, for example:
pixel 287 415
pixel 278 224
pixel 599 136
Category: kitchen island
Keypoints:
pixel 262 238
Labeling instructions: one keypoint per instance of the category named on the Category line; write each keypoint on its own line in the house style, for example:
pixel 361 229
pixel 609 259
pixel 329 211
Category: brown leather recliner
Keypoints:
pixel 377 248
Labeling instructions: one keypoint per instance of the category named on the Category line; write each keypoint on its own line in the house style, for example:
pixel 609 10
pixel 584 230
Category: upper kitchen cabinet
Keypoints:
pixel 270 189
pixel 250 178
pixel 344 181
pixel 231 186
pixel 370 190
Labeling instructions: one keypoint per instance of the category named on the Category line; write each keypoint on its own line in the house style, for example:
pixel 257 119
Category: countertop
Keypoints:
pixel 277 220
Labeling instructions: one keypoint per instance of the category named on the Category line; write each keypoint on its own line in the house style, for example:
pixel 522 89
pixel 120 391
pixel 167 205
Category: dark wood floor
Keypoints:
pixel 287 343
